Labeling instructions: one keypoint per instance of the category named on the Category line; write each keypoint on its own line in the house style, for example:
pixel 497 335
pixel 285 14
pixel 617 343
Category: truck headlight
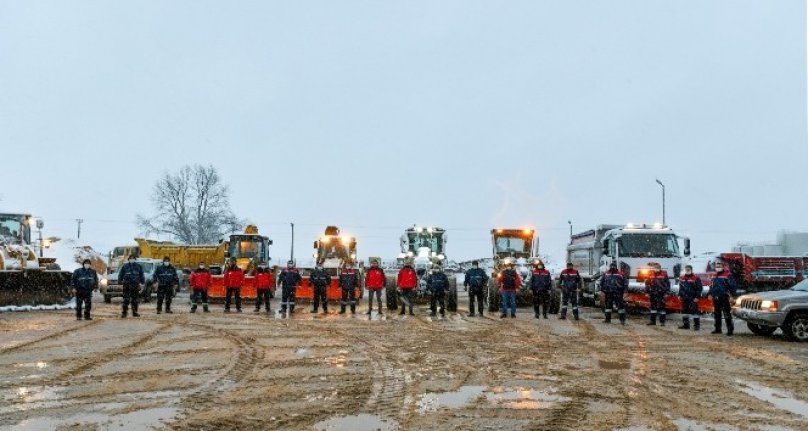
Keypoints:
pixel 738 301
pixel 768 305
pixel 104 281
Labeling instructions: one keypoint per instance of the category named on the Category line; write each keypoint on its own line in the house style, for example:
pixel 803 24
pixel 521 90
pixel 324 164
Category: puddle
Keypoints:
pixel 612 365
pixel 524 399
pixel 360 422
pixel 779 398
pixel 32 394
pixel 40 365
pixel 683 424
pixel 431 402
pixel 141 419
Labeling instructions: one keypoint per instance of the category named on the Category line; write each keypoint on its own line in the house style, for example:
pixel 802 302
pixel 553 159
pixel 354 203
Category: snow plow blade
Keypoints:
pixel 34 287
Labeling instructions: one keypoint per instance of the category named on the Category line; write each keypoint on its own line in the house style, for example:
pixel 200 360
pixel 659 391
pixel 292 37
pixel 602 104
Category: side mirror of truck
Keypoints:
pixel 687 247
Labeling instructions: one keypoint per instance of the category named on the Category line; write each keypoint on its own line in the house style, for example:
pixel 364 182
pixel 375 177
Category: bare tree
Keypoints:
pixel 192 206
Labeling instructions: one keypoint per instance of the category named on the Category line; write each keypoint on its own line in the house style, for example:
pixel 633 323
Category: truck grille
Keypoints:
pixel 750 304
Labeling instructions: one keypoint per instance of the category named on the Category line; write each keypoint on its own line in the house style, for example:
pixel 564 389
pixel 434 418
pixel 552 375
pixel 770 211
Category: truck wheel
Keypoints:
pixel 107 299
pixel 796 327
pixel 555 302
pixel 760 329
pixel 451 300
pixel 391 297
pixel 492 296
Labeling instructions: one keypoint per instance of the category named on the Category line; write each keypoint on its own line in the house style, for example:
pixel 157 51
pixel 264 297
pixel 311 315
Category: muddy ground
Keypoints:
pixel 250 371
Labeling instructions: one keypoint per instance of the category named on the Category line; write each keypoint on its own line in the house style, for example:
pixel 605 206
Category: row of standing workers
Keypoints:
pixel 614 285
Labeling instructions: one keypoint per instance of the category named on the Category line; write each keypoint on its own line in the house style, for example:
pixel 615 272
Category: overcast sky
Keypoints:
pixel 375 115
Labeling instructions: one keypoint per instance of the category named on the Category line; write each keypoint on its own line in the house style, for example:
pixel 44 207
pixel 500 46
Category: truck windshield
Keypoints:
pixel 432 241
pixel 510 244
pixel 648 245
pixel 14 228
pixel 246 247
pixel 332 249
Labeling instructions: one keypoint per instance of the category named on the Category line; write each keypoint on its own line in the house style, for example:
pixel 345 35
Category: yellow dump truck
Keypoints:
pixel 183 256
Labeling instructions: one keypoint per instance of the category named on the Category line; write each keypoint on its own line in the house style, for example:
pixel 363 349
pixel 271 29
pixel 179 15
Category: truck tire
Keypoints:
pixel 760 329
pixel 451 298
pixel 107 299
pixel 492 296
pixel 796 327
pixel 391 297
pixel 555 302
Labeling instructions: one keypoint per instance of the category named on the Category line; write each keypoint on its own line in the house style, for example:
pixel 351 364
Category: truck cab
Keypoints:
pixel 634 247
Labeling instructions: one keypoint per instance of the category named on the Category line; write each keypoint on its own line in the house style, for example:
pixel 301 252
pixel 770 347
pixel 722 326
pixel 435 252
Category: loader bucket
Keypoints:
pixel 34 287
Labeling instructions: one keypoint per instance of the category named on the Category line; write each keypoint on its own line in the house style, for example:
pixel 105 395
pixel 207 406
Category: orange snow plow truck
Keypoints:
pixel 332 250
pixel 249 250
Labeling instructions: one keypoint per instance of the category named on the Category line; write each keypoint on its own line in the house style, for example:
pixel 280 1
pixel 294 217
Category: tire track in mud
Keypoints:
pixel 52 336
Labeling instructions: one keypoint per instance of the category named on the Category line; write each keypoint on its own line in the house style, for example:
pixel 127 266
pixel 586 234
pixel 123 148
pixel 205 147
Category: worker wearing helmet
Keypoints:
pixel 348 282
pixel 437 283
pixel 541 282
pixel 167 280
pixel 84 281
pixel 320 279
pixel 509 283
pixel 690 288
pixel 263 286
pixel 289 280
pixel 200 281
pixel 407 281
pixel 657 286
pixel 614 285
pixel 570 282
pixel 375 281
pixel 233 280
pixel 476 281
pixel 132 278
pixel 722 290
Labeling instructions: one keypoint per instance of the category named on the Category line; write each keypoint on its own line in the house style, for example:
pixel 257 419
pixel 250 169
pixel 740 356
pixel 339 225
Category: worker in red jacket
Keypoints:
pixel 263 285
pixel 375 282
pixel 406 282
pixel 200 283
pixel 233 280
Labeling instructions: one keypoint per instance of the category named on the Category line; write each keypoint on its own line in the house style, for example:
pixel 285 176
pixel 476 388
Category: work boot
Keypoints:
pixel 563 314
pixel 502 316
pixel 696 324
pixel 369 312
pixel 545 315
pixel 536 315
pixel 575 314
pixel 403 311
pixel 652 322
pixel 342 310
pixel 134 314
pixel 685 323
pixel 78 318
pixel 608 317
pixel 433 314
pixel 123 315
pixel 411 313
pixel 729 333
pixel 716 331
pixel 226 310
pixel 205 308
pixel 353 310
pixel 159 311
pixel 168 311
pixel 325 310
pixel 193 308
pixel 622 318
pixel 513 316
pixel 662 320
pixel 88 318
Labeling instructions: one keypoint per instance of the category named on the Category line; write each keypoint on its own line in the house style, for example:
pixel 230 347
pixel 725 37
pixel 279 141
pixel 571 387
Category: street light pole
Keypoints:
pixel 292 258
pixel 570 223
pixel 663 201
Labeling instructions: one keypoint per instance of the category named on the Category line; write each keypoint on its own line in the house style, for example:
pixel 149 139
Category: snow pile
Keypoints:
pixel 69 306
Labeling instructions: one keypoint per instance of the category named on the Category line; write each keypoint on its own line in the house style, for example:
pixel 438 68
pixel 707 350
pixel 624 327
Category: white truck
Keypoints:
pixel 633 247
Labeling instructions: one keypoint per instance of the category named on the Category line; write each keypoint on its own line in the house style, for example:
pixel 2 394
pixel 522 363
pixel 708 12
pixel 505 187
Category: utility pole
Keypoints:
pixel 570 223
pixel 292 258
pixel 663 201
pixel 79 221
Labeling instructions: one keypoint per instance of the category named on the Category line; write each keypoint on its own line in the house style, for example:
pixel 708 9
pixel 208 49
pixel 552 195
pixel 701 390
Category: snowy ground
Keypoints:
pixel 255 372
